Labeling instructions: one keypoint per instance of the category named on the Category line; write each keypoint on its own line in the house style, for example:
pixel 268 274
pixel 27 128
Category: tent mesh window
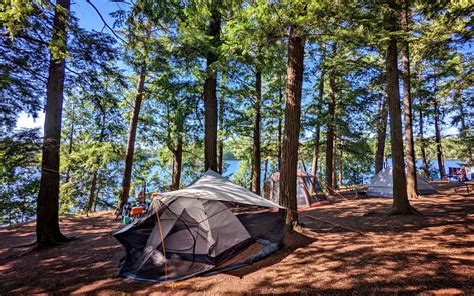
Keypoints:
pixel 187 236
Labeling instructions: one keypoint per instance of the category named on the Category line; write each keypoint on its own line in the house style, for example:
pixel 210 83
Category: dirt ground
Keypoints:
pixel 431 254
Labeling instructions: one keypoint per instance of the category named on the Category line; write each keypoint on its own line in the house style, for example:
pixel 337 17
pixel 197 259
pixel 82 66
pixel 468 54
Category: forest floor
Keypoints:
pixel 432 254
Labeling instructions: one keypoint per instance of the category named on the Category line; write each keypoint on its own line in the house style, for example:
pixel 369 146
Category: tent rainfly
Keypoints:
pixel 309 192
pixel 382 184
pixel 211 226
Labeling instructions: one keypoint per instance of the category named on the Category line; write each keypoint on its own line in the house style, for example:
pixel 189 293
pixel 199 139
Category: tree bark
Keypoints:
pixel 280 123
pixel 177 164
pixel 381 134
pixel 265 170
pixel 439 147
pixel 210 89
pixel 71 141
pixel 317 137
pixel 47 211
pixel 220 147
pixel 401 204
pixel 330 126
pixel 464 132
pixel 92 196
pixel 423 146
pixel 91 199
pixel 334 164
pixel 407 110
pixel 341 175
pixel 294 84
pixel 132 133
pixel 256 159
pixel 314 169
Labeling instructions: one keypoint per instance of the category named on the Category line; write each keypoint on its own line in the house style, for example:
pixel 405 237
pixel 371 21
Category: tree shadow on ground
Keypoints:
pixel 407 254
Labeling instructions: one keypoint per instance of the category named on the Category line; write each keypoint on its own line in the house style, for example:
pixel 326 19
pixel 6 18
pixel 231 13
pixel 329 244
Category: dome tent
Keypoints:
pixel 212 225
pixel 309 192
pixel 382 184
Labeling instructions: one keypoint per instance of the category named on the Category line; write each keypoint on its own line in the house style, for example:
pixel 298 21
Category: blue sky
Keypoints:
pixel 90 20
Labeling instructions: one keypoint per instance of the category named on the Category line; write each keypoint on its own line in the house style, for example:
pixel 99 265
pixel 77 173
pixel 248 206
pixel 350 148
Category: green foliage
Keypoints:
pixel 170 41
pixel 20 173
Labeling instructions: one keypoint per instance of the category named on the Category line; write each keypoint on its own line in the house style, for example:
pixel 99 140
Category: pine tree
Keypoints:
pixel 47 212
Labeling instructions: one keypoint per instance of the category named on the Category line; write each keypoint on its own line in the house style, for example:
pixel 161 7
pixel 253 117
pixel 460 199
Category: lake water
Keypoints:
pixel 233 166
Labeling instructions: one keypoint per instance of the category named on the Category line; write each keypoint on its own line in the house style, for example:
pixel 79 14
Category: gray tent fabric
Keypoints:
pixel 382 184
pixel 210 226
pixel 309 193
pixel 213 186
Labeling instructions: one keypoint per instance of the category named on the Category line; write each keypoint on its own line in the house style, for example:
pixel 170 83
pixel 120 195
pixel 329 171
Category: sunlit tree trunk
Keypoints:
pixel 256 159
pixel 381 133
pixel 407 110
pixel 294 84
pixel 401 205
pixel 210 89
pixel 47 211
pixel 132 133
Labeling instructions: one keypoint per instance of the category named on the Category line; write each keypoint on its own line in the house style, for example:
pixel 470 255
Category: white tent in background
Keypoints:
pixel 382 184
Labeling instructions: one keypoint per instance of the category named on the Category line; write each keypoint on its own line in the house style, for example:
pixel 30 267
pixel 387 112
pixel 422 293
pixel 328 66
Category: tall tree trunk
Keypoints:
pixel 132 133
pixel 177 163
pixel 423 146
pixel 407 110
pixel 47 211
pixel 439 147
pixel 97 195
pixel 341 175
pixel 314 169
pixel 91 199
pixel 265 170
pixel 294 84
pixel 381 133
pixel 331 125
pixel 334 164
pixel 280 122
pixel 256 159
pixel 220 147
pixel 464 132
pixel 210 89
pixel 92 196
pixel 317 137
pixel 401 205
pixel 71 141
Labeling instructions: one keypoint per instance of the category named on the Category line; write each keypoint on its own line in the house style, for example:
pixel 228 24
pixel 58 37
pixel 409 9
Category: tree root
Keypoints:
pixel 58 240
pixel 410 211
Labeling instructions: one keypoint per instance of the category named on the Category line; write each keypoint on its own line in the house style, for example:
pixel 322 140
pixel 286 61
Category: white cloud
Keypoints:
pixel 26 121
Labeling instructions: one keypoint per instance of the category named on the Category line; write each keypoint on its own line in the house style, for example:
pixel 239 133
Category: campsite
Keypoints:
pixel 236 147
pixel 430 254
